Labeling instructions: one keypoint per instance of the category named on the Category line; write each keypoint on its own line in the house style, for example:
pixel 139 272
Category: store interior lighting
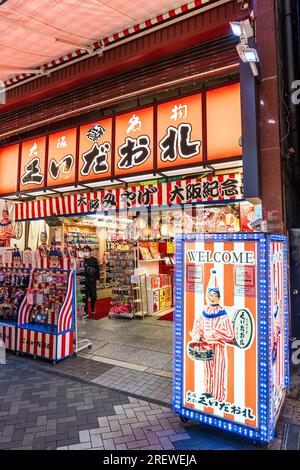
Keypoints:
pixel 101 184
pixel 133 179
pixel 187 171
pixel 69 189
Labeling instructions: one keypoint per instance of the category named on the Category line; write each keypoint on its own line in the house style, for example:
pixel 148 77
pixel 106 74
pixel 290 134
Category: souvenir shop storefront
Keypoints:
pixel 132 237
pixel 124 185
pixel 151 190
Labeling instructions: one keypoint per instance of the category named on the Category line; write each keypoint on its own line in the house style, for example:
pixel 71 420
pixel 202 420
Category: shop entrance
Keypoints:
pixel 133 320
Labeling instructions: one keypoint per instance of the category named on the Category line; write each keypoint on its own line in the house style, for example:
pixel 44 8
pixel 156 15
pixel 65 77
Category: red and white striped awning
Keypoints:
pixel 35 37
pixel 219 188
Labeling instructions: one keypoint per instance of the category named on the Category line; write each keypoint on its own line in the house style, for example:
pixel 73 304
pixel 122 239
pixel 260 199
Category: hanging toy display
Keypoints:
pixel 16 258
pixel 43 247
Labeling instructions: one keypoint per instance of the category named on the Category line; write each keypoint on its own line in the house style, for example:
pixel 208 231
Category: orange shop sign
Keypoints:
pixel 188 131
pixel 9 157
pixel 179 132
pixel 134 142
pixel 33 164
pixel 95 150
pixel 62 158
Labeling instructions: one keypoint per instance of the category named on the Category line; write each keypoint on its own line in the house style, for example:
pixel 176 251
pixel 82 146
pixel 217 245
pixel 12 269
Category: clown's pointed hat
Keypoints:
pixel 213 283
pixel 5 208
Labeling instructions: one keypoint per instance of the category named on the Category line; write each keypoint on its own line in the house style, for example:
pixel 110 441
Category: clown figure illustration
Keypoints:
pixel 16 259
pixel 55 258
pixel 212 330
pixel 6 228
pixel 43 248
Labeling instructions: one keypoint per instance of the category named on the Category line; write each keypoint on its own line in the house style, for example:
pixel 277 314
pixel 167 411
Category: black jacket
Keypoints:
pixel 91 269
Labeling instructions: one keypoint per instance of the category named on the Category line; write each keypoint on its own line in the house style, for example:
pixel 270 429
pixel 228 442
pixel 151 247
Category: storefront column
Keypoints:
pixel 269 112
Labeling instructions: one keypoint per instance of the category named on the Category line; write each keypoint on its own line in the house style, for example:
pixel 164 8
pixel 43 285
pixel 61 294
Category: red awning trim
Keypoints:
pixel 170 15
pixel 210 189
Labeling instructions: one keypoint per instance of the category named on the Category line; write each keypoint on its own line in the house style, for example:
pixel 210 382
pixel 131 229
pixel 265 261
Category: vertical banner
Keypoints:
pixel 224 123
pixel 134 142
pixel 179 127
pixel 95 150
pixel 278 324
pixel 9 158
pixel 33 154
pixel 220 371
pixel 62 158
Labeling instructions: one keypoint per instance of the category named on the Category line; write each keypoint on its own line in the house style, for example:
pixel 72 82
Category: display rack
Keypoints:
pixel 122 263
pixel 77 235
pixel 13 288
pixel 160 293
pixel 139 296
pixel 46 319
pixel 81 343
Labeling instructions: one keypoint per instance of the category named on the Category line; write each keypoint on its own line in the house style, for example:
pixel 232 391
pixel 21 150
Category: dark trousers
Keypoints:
pixel 90 293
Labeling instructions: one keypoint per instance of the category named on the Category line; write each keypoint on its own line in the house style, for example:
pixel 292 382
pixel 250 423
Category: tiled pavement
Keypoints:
pixel 43 408
pixel 146 343
pixel 142 383
pixel 138 383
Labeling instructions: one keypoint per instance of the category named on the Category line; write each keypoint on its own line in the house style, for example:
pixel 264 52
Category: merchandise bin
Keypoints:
pixel 231 331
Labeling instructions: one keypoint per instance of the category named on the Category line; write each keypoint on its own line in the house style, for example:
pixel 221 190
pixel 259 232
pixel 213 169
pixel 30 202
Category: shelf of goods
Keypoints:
pixel 139 296
pixel 13 287
pixel 105 277
pixel 37 311
pixel 160 293
pixel 122 263
pixel 75 241
pixel 156 257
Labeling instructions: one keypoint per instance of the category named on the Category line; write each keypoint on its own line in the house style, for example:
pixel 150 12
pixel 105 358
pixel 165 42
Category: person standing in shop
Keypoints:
pixel 92 278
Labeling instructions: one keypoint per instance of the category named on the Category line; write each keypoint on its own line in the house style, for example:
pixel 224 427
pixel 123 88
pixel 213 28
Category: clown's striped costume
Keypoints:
pixel 214 329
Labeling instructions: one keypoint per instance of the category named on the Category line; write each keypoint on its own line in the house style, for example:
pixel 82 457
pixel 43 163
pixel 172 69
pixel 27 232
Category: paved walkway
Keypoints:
pixel 42 407
pixel 141 344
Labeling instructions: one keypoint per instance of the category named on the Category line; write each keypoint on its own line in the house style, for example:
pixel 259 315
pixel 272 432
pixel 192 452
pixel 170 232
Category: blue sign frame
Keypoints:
pixel 266 418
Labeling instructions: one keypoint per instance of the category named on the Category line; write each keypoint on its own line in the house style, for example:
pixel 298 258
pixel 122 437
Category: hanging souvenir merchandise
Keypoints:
pixel 13 287
pixel 46 319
